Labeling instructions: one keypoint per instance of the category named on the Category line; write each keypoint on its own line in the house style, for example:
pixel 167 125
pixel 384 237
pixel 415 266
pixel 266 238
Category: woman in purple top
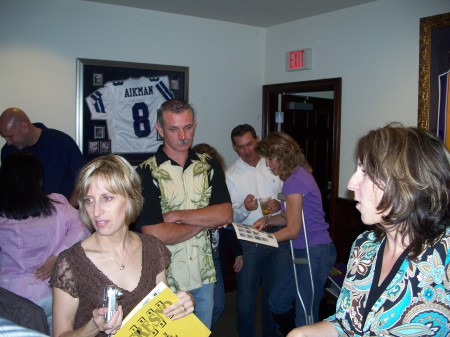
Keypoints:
pixel 285 158
pixel 34 229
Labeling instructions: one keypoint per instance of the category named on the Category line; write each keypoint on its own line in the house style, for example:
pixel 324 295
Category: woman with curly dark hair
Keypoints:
pixel 398 277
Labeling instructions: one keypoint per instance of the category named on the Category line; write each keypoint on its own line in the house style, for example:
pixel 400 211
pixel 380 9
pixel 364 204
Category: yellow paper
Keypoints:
pixel 150 320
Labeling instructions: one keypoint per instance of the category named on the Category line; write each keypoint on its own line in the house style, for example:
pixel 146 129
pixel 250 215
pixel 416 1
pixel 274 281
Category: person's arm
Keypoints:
pixel 69 222
pixel 240 211
pixel 209 217
pixel 68 229
pixel 44 271
pixel 321 329
pixel 293 214
pixel 291 219
pixel 179 226
pixel 238 263
pixel 172 233
pixel 65 308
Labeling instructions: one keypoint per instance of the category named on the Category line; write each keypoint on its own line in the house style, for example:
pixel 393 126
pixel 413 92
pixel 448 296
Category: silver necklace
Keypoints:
pixel 121 265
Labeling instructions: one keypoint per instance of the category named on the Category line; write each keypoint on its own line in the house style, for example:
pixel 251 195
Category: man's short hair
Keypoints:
pixel 242 129
pixel 173 105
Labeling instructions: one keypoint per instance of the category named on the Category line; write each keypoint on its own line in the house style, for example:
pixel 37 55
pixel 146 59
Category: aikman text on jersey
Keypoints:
pixel 139 91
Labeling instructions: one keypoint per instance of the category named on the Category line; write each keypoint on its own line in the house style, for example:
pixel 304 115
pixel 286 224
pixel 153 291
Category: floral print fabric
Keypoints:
pixel 416 302
pixel 191 261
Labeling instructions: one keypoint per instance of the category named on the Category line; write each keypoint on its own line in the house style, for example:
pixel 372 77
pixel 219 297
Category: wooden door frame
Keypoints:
pixel 330 84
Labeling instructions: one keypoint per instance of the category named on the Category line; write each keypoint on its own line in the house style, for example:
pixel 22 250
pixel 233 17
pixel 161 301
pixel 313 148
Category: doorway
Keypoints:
pixel 310 112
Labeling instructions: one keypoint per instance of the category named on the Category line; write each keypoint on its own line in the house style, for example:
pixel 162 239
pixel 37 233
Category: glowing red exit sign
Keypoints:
pixel 298 59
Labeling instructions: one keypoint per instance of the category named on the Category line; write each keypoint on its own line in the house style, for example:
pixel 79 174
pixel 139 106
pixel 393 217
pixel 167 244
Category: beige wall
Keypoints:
pixel 373 47
pixel 40 41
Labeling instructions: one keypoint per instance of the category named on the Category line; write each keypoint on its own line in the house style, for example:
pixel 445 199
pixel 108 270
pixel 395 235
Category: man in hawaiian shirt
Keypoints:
pixel 185 194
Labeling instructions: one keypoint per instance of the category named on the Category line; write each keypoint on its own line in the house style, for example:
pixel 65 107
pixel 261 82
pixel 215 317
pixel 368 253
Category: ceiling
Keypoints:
pixel 259 13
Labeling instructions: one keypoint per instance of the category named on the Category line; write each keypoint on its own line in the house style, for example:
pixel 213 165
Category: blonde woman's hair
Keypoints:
pixel 120 178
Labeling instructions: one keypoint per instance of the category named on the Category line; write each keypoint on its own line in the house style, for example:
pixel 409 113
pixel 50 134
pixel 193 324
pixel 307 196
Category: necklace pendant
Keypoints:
pixel 122 267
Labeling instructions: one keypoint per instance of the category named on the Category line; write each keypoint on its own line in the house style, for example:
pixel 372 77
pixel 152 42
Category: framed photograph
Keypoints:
pixel 99 132
pixel 93 148
pixel 117 104
pixel 97 79
pixel 105 146
pixel 434 79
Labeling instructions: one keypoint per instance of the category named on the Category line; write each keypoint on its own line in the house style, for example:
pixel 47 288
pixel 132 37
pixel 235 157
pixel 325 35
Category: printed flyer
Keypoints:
pixel 147 318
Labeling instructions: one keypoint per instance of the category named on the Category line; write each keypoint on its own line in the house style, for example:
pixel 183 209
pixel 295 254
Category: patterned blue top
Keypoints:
pixel 414 299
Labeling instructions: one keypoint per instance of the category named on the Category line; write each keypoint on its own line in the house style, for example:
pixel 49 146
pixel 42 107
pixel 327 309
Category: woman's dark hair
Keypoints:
pixel 412 168
pixel 21 192
pixel 210 150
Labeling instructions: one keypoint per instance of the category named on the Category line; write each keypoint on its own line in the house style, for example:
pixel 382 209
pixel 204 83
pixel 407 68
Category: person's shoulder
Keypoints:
pixel 72 251
pixel 301 175
pixel 234 168
pixel 153 161
pixel 147 164
pixel 58 198
pixel 149 240
pixel 365 237
pixel 59 134
pixel 56 136
pixel 208 159
pixel 61 203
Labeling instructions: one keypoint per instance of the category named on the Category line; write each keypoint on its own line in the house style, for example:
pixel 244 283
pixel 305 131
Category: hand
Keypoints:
pixel 44 271
pixel 113 325
pixel 181 308
pixel 261 223
pixel 274 206
pixel 251 203
pixel 238 263
pixel 172 216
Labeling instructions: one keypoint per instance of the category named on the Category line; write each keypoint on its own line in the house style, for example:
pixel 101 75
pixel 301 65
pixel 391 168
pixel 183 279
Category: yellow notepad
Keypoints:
pixel 147 318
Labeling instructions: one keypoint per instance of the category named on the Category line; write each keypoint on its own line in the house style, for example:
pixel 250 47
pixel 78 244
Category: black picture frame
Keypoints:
pixel 92 134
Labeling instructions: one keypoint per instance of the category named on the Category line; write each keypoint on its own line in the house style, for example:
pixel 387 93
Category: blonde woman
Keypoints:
pixel 109 197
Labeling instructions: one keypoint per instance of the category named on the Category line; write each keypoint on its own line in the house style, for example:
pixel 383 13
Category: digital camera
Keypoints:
pixel 110 296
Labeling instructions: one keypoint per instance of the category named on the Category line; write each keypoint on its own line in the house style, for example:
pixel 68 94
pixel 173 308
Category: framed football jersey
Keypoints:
pixel 117 103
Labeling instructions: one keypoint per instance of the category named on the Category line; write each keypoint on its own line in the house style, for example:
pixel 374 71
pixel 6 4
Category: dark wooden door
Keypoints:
pixel 309 120
pixel 314 122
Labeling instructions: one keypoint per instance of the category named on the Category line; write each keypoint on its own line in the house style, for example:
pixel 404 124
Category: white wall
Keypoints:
pixel 41 39
pixel 374 48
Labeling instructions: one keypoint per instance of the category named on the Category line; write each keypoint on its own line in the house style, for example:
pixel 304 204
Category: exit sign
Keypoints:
pixel 298 59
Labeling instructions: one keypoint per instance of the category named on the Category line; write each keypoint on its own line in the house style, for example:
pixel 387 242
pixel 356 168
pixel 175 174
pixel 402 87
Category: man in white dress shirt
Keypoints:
pixel 249 179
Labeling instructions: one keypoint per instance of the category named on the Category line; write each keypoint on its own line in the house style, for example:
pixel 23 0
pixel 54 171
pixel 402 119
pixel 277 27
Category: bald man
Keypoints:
pixel 59 154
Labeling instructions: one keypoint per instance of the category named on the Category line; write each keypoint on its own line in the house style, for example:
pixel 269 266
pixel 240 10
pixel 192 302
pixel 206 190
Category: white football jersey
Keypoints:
pixel 129 108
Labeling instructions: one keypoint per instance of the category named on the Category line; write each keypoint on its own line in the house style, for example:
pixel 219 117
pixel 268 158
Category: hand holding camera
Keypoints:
pixel 108 318
pixel 111 295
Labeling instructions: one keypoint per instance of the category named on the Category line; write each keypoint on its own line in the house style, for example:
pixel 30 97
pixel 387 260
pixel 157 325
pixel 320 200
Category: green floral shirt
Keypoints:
pixel 191 261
